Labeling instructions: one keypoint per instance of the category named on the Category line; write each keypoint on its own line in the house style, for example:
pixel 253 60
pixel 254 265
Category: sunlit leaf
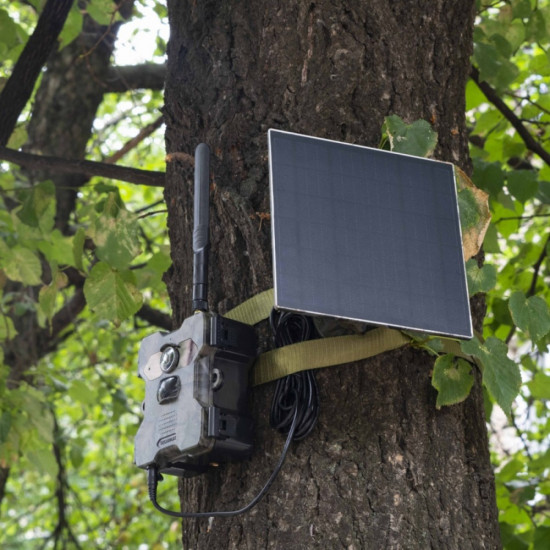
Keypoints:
pixel 7 328
pixel 481 279
pixel 501 375
pixel 82 393
pixel 78 248
pixel 48 294
pixel 102 11
pixel 493 66
pixel 452 378
pixel 72 27
pixel 112 294
pixel 57 248
pixel 23 265
pixel 540 386
pixel 116 235
pixel 38 208
pixel 18 137
pixel 531 315
pixel 43 460
pixel 417 138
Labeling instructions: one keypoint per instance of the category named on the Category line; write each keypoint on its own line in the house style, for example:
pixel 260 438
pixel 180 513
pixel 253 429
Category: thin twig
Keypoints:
pixel 536 268
pixel 490 93
pixel 135 141
pixel 508 218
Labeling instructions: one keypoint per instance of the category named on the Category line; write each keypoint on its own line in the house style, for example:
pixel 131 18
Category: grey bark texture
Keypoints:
pixel 383 469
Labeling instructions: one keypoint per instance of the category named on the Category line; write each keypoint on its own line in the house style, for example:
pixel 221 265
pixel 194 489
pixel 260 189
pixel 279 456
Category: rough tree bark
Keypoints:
pixel 384 468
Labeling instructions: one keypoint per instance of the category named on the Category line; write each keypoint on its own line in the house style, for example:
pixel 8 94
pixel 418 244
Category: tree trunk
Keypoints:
pixel 383 468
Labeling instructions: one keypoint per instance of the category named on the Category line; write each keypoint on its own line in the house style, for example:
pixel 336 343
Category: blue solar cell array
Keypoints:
pixel 365 234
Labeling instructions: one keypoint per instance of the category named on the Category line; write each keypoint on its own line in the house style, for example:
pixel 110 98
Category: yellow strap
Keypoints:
pixel 255 309
pixel 325 352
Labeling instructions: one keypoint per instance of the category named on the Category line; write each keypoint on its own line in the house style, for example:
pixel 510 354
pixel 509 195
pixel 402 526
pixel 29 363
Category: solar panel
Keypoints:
pixel 366 235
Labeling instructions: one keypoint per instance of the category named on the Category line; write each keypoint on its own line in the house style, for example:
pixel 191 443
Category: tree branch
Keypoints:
pixel 67 314
pixel 155 317
pixel 536 267
pixel 490 93
pixel 60 491
pixel 84 167
pixel 130 144
pixel 4 475
pixel 19 87
pixel 148 76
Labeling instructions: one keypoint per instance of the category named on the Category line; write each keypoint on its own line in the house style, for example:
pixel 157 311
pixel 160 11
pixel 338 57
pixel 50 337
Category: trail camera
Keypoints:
pixel 196 378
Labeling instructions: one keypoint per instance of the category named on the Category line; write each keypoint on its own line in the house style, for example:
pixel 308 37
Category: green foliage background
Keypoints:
pixel 67 431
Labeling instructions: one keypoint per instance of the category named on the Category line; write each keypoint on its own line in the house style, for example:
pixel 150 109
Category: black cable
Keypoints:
pixel 153 477
pixel 297 391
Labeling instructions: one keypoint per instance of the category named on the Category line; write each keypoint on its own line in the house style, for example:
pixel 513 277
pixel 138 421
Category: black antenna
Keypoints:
pixel 201 243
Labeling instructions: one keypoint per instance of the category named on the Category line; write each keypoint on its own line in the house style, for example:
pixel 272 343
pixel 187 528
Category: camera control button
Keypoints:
pixel 169 389
pixel 169 359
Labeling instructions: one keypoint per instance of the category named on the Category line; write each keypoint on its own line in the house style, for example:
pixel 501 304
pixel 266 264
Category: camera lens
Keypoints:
pixel 169 359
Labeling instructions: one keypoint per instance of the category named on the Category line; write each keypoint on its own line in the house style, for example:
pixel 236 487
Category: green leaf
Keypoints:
pixel 151 274
pixel 540 386
pixel 38 208
pixel 418 138
pixel 43 460
pixel 475 216
pixel 539 464
pixel 541 538
pixel 5 425
pixel 493 66
pixel 540 65
pixel 18 137
pixel 7 328
pixel 469 209
pixel 48 294
pixel 544 192
pixel 452 378
pixel 116 235
pixel 480 279
pixel 531 315
pixel 537 28
pixel 474 96
pixel 58 248
pixel 514 33
pixel 23 265
pixel 522 184
pixel 102 11
pixel 510 540
pixel 501 376
pixel 76 454
pixel 112 294
pixel 72 27
pixel 490 243
pixel 78 248
pixel 521 9
pixel 8 29
pixel 510 470
pixel 80 392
